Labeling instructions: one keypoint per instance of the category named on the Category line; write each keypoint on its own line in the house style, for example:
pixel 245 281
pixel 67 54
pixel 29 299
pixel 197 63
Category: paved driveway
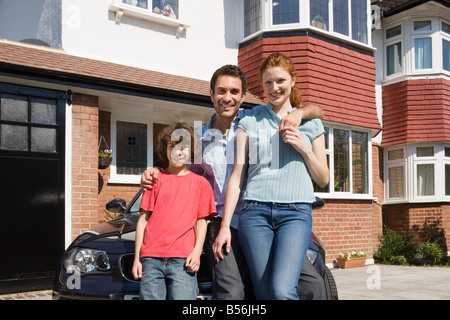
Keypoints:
pixel 372 282
pixel 385 282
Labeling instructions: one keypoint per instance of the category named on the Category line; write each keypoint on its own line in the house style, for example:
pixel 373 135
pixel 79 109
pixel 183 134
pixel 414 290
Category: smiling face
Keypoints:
pixel 178 154
pixel 277 85
pixel 227 96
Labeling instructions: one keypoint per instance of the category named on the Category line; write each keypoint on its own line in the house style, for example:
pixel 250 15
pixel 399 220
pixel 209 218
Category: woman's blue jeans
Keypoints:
pixel 167 278
pixel 274 238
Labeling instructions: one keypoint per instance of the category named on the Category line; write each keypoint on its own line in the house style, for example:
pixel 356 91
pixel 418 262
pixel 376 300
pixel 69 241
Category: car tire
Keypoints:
pixel 330 284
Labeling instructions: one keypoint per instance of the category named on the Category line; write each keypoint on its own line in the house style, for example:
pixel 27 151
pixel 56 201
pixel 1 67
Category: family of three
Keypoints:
pixel 259 204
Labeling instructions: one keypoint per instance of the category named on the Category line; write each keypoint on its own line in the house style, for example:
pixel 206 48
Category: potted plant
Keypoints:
pixel 352 259
pixel 104 158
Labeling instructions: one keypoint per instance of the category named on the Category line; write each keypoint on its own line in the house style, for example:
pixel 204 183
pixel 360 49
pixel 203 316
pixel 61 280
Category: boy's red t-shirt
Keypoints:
pixel 176 202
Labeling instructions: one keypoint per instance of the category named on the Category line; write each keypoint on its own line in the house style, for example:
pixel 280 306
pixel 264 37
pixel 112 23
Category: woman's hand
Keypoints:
pixel 223 238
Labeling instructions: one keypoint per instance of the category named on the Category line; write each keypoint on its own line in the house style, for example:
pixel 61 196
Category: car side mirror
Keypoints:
pixel 116 206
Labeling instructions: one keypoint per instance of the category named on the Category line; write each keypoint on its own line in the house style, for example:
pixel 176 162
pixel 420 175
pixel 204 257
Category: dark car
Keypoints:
pixel 97 265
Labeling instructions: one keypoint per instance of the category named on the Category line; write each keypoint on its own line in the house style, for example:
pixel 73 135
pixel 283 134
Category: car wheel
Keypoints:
pixel 330 284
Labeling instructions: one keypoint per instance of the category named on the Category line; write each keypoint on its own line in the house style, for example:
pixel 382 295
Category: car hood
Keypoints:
pixel 117 227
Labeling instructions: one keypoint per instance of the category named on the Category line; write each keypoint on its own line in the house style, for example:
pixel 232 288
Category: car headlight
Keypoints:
pixel 87 260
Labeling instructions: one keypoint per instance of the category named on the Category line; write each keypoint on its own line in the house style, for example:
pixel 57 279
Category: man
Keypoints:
pixel 227 90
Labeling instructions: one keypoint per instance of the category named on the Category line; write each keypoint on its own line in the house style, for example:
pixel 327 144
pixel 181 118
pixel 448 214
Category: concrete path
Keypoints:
pixel 386 282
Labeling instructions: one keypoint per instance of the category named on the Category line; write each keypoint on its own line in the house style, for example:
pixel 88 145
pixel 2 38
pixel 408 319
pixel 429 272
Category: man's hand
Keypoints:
pixel 292 119
pixel 149 178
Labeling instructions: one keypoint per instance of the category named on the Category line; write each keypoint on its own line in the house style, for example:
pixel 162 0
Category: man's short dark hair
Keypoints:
pixel 229 70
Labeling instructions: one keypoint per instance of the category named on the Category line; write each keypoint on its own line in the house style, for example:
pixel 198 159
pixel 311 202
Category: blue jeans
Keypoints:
pixel 274 238
pixel 167 278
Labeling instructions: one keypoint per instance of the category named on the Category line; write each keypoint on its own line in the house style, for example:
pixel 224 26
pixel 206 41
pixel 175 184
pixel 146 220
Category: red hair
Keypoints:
pixel 280 60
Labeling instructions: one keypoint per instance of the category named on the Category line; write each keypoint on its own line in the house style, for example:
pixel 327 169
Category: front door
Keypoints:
pixel 32 149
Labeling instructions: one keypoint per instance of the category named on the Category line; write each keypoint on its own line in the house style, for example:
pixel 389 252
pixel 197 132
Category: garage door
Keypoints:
pixel 32 138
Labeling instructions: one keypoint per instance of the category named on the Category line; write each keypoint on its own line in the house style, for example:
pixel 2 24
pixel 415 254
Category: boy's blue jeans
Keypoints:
pixel 274 238
pixel 167 278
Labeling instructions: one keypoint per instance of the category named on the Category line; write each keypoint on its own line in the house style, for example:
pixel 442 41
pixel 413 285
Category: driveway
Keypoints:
pixel 372 282
pixel 386 282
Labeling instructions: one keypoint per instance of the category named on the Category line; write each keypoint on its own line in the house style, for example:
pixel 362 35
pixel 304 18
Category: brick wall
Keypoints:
pixel 106 190
pixel 416 111
pixel 84 162
pixel 337 77
pixel 409 218
pixel 346 225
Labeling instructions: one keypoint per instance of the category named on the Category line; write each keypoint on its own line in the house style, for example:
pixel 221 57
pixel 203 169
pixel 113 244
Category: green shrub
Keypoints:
pixel 430 252
pixel 394 248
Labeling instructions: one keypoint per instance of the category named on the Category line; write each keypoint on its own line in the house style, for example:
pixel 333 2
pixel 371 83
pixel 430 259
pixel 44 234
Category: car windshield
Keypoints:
pixel 134 209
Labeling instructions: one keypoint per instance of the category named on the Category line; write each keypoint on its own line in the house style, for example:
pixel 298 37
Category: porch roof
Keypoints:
pixel 53 63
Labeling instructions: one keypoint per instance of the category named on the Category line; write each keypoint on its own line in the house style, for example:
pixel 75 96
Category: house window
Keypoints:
pixel 340 16
pixel 134 144
pixel 422 53
pixel 285 11
pixel 359 21
pixel 447 170
pixel 396 174
pixel 252 16
pixel 427 167
pixel 394 51
pixel 131 146
pixel 28 124
pixel 445 55
pixel 446 46
pixel 348 161
pixel 167 8
pixel 318 12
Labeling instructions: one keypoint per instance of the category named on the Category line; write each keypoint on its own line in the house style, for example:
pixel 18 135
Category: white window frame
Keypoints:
pixel 443 36
pixel 395 164
pixel 407 38
pixel 391 41
pixel 304 23
pixel 122 9
pixel 410 163
pixel 331 194
pixel 424 161
pixel 124 178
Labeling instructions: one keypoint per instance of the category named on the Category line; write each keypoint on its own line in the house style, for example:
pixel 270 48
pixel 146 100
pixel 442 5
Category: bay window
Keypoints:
pixel 417 46
pixel 418 173
pixel 341 18
pixel 285 11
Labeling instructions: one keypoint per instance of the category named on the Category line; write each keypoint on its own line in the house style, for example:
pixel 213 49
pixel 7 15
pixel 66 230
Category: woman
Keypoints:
pixel 275 222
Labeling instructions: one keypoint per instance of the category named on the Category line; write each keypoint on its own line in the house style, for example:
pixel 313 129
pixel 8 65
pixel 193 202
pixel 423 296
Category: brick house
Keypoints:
pixel 115 72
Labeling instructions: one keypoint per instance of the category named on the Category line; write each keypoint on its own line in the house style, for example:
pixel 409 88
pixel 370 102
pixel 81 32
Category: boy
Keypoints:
pixel 168 248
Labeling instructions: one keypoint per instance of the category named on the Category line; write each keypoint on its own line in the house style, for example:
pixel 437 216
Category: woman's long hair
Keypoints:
pixel 277 59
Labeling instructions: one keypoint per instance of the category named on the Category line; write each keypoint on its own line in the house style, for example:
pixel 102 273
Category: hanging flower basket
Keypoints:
pixel 104 162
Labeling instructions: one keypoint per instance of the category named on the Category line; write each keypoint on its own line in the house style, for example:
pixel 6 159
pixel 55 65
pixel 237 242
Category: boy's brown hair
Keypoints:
pixel 176 132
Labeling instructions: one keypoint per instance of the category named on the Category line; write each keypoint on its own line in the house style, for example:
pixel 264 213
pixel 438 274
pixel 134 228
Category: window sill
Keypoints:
pixel 123 9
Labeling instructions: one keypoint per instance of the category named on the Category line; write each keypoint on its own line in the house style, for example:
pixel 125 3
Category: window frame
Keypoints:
pixel 305 22
pixel 121 9
pixel 407 39
pixel 444 35
pixel 124 178
pixel 392 41
pixel 410 162
pixel 332 193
